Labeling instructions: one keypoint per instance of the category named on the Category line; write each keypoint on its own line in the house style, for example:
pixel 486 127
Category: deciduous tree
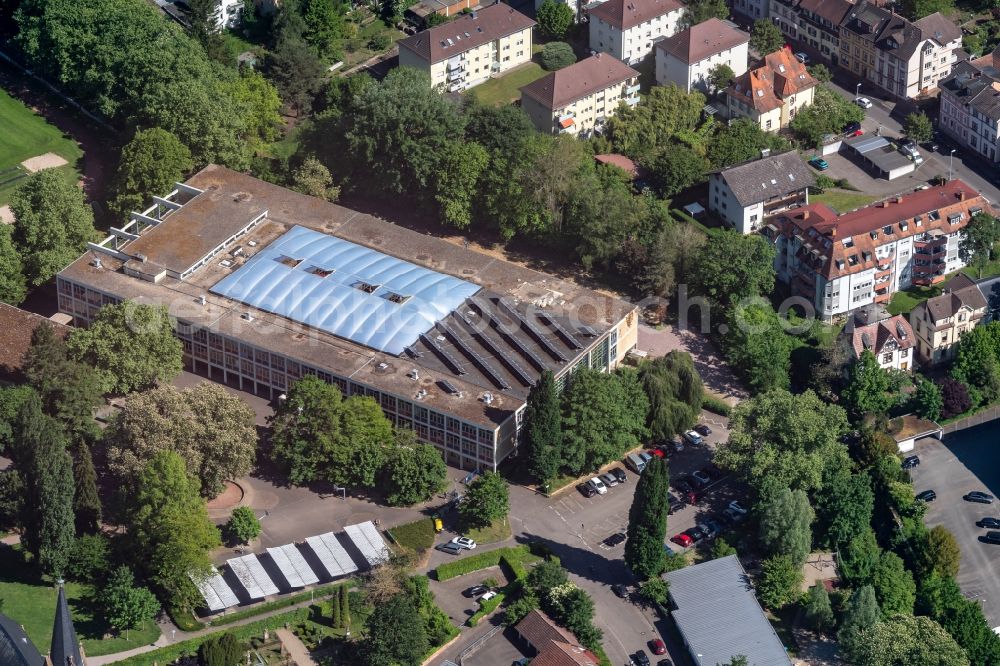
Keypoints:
pixel 734 267
pixel 127 606
pixel 243 525
pixel 979 237
pixel 456 180
pixel 817 608
pixel 416 471
pixel 699 11
pixel 779 581
pixel 927 400
pixel 720 76
pixel 70 391
pixel 486 501
pixel 13 286
pixel 785 520
pixel 149 166
pixel 52 224
pixel 914 641
pixel 314 179
pixel 675 393
pixel 757 344
pixel 556 55
pixel 647 521
pixel 869 388
pixel 844 506
pixel 955 398
pixel 296 71
pixel 740 141
pixel 943 551
pixel 828 114
pixel 894 586
pixel 675 169
pixel 917 126
pixel 554 18
pixel 396 634
pixel 765 37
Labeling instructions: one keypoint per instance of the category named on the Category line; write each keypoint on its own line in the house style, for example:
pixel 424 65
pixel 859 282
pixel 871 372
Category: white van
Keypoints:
pixel 635 463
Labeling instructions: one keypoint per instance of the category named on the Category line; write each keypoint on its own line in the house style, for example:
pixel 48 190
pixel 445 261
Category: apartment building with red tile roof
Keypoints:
pixel 772 93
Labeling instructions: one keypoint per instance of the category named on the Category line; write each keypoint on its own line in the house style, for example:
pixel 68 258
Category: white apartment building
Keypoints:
pixel 772 94
pixel 687 58
pixel 842 263
pixel 580 98
pixel 744 194
pixel 902 58
pixel 468 50
pixel 970 106
pixel 627 29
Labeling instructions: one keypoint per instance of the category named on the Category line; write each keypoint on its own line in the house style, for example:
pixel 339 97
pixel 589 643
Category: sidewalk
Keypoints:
pixel 296 650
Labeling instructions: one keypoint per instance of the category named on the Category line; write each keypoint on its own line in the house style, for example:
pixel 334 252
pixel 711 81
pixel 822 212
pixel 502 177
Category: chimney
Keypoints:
pixel 961 195
pixel 833 232
pixel 805 214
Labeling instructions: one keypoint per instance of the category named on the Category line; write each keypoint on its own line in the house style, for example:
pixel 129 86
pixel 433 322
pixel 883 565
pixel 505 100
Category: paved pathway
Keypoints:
pixel 296 649
pixel 715 373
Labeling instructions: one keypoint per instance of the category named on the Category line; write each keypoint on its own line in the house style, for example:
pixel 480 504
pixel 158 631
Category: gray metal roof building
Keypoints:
pixel 881 154
pixel 714 607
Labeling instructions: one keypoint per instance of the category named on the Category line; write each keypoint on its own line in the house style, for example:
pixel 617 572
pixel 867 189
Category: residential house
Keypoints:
pixel 743 195
pixel 752 9
pixel 16 329
pixel 687 58
pixel 842 263
pixel 940 322
pixel 580 98
pixel 812 22
pixel 468 50
pixel 772 93
pixel 970 106
pixel 551 644
pixel 900 57
pixel 627 29
pixel 889 339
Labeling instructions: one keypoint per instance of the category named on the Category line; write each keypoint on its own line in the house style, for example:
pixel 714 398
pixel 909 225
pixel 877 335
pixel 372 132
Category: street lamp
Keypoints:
pixel 857 90
pixel 951 162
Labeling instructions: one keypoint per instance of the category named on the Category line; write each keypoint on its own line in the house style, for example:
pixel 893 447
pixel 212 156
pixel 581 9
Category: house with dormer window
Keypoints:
pixel 889 339
pixel 771 94
pixel 940 322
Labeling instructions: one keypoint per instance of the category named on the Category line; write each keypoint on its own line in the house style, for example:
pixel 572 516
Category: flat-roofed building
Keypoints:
pixel 580 98
pixel 269 285
pixel 772 93
pixel 468 50
pixel 687 58
pixel 844 262
pixel 628 29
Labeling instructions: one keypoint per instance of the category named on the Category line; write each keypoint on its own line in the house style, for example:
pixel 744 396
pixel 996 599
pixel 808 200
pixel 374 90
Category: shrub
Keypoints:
pixel 485 609
pixel 379 43
pixel 224 650
pixel 556 55
pixel 243 526
pixel 824 182
pixel 479 561
pixel 715 405
pixel 955 398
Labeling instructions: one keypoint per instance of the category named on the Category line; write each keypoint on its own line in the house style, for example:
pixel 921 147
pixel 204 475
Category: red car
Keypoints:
pixel 657 452
pixel 682 540
pixel 657 646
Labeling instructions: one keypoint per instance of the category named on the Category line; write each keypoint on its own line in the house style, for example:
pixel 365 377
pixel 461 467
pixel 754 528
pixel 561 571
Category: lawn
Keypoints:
pixel 842 200
pixel 417 536
pixel 495 533
pixel 26 134
pixel 505 89
pixel 904 301
pixel 990 269
pixel 31 602
pixel 365 33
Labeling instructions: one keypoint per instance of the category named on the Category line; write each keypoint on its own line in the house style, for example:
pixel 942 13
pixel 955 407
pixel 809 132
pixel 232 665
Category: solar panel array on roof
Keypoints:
pixel 293 566
pixel 332 555
pixel 445 355
pixel 345 289
pixel 531 328
pixel 252 576
pixel 508 335
pixel 367 539
pixel 480 362
pixel 216 592
pixel 560 331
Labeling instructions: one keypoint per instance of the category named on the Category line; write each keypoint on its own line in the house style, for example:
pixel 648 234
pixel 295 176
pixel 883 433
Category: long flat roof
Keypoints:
pixel 494 341
pixel 719 616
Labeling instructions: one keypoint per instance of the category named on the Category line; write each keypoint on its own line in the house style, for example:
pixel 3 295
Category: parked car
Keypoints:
pixel 586 489
pixel 991 537
pixel 620 474
pixel 989 522
pixel 851 128
pixel 620 590
pixel 702 477
pixel 657 646
pixel 735 506
pixel 693 437
pixel 682 540
pixel 674 503
pixel 615 539
pixel 927 496
pixel 450 548
pixel 863 102
pixel 664 662
pixel 464 542
pixel 475 591
pixel 709 528
pixel 486 596
pixel 609 479
pixel 802 57
pixel 703 430
pixel 819 163
pixel 682 484
pixel 640 658
pixel 645 458
pixel 695 533
pixel 733 517
pixel 598 485
pixel 678 444
pixel 910 462
pixel 978 496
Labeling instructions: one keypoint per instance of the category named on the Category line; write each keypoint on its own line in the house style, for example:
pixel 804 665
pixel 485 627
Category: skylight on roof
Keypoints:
pixel 289 261
pixel 760 93
pixel 774 182
pixel 366 287
pixel 319 272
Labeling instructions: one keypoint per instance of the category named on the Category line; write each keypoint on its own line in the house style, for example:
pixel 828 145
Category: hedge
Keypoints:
pixel 515 565
pixel 316 594
pixel 715 405
pixel 485 609
pixel 480 561
pixel 184 619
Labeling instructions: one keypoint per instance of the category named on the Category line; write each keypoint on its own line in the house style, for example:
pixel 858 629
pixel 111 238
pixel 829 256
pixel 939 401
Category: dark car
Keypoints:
pixel 450 548
pixel 664 662
pixel 620 474
pixel 695 533
pixel 910 462
pixel 927 496
pixel 586 490
pixel 979 497
pixel 640 658
pixel 621 591
pixel 989 522
pixel 682 484
pixel 851 128
pixel 991 537
pixel 615 539
pixel 703 430
pixel 475 591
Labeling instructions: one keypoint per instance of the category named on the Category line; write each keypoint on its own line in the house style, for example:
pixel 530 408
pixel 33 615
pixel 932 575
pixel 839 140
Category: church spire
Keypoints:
pixel 65 650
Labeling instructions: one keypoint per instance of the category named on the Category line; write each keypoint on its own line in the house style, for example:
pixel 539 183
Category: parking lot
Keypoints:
pixel 966 461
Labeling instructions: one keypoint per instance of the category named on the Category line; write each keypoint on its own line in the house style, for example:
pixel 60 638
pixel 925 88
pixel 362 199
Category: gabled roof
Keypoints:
pixel 559 88
pixel 975 86
pixel 760 179
pixel 894 333
pixel 16 329
pixel 833 11
pixel 703 40
pixel 892 33
pixel 625 14
pixel 556 646
pixel 466 32
pixel 937 27
pixel 960 292
pixel 65 649
pixel 15 648
pixel 764 88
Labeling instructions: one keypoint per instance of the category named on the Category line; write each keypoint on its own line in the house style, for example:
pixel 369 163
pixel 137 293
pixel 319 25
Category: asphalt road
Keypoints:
pixel 967 460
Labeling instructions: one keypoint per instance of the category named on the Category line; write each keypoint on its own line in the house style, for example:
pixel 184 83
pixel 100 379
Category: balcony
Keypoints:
pixel 884 297
pixel 567 124
pixel 632 90
pixel 456 76
pixel 631 101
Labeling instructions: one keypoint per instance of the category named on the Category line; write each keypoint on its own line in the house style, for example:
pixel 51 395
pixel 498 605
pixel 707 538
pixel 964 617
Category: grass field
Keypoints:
pixel 494 533
pixel 26 134
pixel 31 602
pixel 842 200
pixel 505 89
pixel 904 301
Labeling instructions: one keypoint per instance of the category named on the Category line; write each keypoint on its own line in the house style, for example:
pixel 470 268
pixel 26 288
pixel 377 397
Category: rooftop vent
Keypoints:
pixel 319 272
pixel 247 316
pixel 488 398
pixel 97 262
pixel 201 300
pixel 225 263
pixel 365 287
